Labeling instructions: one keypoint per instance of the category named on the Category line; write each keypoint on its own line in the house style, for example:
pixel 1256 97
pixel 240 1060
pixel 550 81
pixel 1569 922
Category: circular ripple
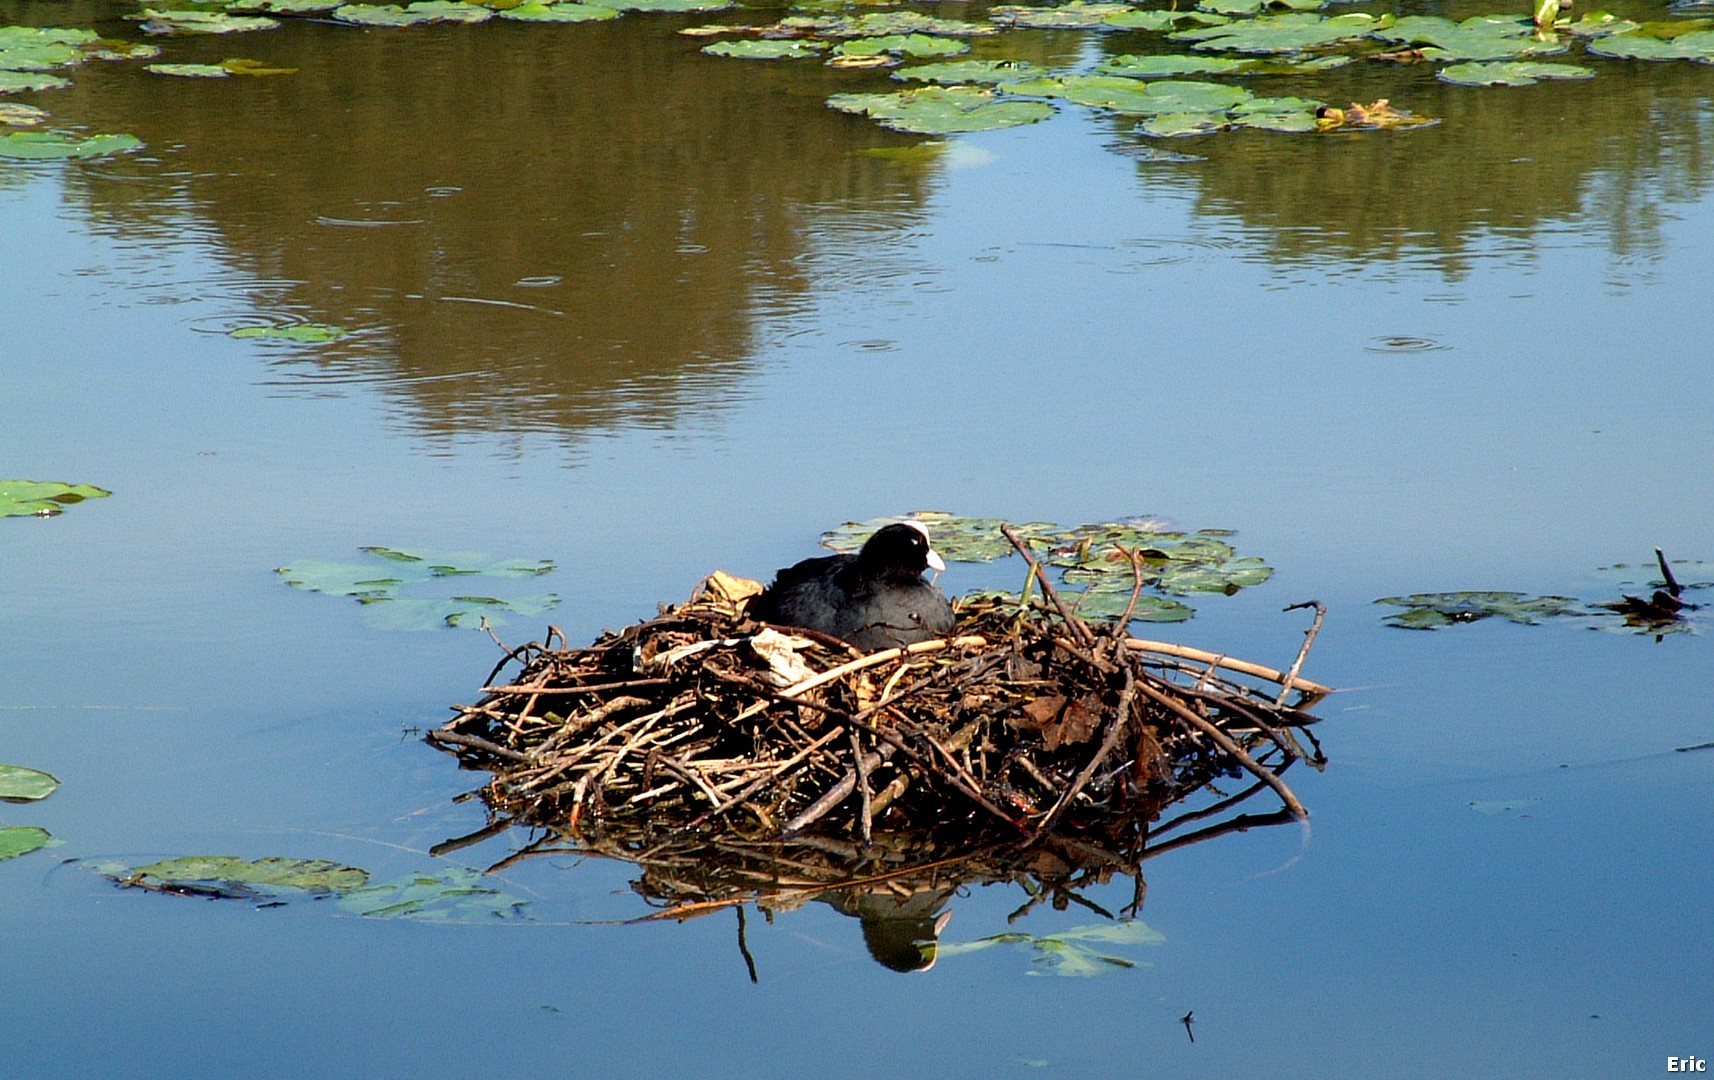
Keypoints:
pixel 1403 343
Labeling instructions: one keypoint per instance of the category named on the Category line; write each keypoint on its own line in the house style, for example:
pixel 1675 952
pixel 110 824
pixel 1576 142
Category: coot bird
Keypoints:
pixel 875 599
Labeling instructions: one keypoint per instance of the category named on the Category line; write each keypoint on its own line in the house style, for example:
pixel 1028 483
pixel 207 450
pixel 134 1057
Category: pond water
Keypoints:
pixel 647 313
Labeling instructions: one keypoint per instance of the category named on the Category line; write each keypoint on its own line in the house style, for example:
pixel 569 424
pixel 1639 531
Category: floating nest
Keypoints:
pixel 704 733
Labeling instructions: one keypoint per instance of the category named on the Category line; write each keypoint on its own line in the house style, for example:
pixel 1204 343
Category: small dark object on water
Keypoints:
pixel 875 599
pixel 1187 1019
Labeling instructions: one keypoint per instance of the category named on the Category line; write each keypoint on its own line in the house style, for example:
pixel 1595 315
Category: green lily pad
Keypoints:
pixel 1291 115
pixel 457 896
pixel 1171 125
pixel 1173 562
pixel 902 45
pixel 766 49
pixel 28 82
pixel 21 840
pixel 189 71
pixel 1159 19
pixel 1288 33
pixel 1429 611
pixel 37 56
pixel 1076 15
pixel 1601 24
pixel 301 333
pixel 960 539
pixel 1170 65
pixel 1650 44
pixel 1483 37
pixel 670 5
pixel 18 784
pixel 422 13
pixel 1256 7
pixel 1124 95
pixel 942 110
pixel 20 498
pixel 565 13
pixel 1510 73
pixel 881 24
pixel 1108 601
pixel 202 22
pixel 378 587
pixel 282 7
pixel 969 71
pixel 240 878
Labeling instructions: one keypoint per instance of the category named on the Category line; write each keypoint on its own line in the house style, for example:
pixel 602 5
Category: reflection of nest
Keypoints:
pixel 730 758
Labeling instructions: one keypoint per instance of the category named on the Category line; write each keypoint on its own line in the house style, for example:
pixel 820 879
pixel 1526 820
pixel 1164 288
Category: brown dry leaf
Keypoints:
pixel 728 587
pixel 880 60
pixel 1153 767
pixel 1081 718
pixel 1040 713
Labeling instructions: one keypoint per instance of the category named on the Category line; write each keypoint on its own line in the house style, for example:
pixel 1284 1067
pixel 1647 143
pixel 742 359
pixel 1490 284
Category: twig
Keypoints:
pixel 1302 653
pixel 1225 742
pixel 1077 625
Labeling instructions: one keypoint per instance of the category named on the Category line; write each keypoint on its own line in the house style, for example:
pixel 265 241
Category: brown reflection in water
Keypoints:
pixel 539 226
pixel 1598 157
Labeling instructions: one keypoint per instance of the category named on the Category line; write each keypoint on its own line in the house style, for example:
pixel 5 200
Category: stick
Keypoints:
pixel 1166 648
pixel 1303 653
pixel 1226 743
pixel 1121 723
pixel 1078 626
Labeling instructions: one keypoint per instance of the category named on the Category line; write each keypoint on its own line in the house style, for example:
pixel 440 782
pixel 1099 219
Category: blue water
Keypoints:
pixel 1033 326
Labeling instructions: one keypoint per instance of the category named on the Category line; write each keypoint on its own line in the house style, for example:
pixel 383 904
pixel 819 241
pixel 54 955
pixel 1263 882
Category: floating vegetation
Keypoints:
pixel 1070 952
pixel 29 55
pixel 559 13
pixel 1174 65
pixel 1510 73
pixel 765 49
pixel 1289 33
pixel 201 22
pixel 1375 116
pixel 1429 611
pixel 233 66
pixel 456 895
pixel 902 45
pixel 422 13
pixel 19 784
pixel 21 840
pixel 1028 722
pixel 877 24
pixel 379 587
pixel 1256 7
pixel 1658 42
pixel 1076 15
pixel 42 498
pixel 969 71
pixel 13 114
pixel 298 333
pixel 1482 37
pixel 942 110
pixel 1663 611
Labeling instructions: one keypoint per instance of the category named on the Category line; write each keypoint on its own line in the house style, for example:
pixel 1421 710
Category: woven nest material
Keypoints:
pixel 1025 723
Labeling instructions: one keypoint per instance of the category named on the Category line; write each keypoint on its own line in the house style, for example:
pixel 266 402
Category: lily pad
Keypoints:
pixel 766 49
pixel 563 13
pixel 16 115
pixel 21 840
pixel 282 7
pixel 1429 611
pixel 1289 33
pixel 1109 601
pixel 881 24
pixel 1170 65
pixel 457 896
pixel 670 5
pixel 228 875
pixel 969 71
pixel 28 82
pixel 18 784
pixel 960 539
pixel 422 13
pixel 21 498
pixel 1170 125
pixel 1601 24
pixel 1644 45
pixel 1077 15
pixel 378 587
pixel 1482 37
pixel 1256 7
pixel 1160 19
pixel 903 45
pixel 189 71
pixel 1510 73
pixel 301 333
pixel 202 22
pixel 942 110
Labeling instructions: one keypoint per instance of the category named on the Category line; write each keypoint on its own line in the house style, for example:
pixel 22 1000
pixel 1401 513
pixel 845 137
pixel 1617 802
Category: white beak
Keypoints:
pixel 935 562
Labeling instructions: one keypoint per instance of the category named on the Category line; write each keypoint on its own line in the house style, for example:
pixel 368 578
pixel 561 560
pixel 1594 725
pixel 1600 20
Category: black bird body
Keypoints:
pixel 875 599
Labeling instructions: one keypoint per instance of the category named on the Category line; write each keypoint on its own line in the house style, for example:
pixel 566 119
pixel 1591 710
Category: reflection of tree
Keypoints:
pixel 674 196
pixel 1599 156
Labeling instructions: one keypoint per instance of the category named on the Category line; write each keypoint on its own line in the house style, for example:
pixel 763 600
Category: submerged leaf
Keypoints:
pixel 458 895
pixel 309 875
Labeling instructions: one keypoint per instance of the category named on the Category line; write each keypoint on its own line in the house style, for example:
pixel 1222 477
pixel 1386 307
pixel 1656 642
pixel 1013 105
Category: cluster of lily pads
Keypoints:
pixel 1095 566
pixel 36 58
pixel 1654 606
pixel 379 586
